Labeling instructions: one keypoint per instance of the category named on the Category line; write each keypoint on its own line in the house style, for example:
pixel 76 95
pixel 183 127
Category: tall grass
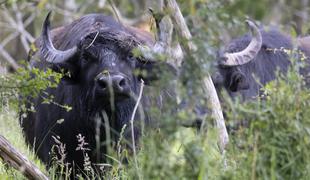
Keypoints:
pixel 10 129
pixel 272 143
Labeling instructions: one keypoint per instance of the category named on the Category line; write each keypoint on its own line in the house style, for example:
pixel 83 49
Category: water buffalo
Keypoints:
pixel 101 80
pixel 252 61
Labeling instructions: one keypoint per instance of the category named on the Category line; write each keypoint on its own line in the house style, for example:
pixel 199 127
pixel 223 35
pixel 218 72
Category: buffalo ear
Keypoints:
pixel 151 71
pixel 238 82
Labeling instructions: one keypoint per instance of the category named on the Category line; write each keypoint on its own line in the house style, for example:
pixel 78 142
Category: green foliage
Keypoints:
pixel 34 81
pixel 15 89
pixel 11 130
pixel 276 142
pixel 26 80
pixel 273 143
pixel 25 83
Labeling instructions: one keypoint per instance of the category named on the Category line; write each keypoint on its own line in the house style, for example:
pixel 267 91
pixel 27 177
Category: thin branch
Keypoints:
pixel 92 42
pixel 70 6
pixel 83 6
pixel 132 125
pixel 6 25
pixel 30 19
pixel 16 33
pixel 61 11
pixel 20 24
pixel 19 28
pixel 8 58
pixel 114 10
pixel 24 43
pixel 8 17
pixel 9 38
pixel 17 24
pixel 127 21
pixel 2 70
pixel 3 2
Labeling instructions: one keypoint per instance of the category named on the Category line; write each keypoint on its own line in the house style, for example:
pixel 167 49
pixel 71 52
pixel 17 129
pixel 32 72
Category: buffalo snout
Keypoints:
pixel 117 84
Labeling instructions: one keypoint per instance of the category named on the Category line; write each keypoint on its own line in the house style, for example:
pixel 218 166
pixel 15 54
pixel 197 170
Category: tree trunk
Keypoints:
pixel 189 46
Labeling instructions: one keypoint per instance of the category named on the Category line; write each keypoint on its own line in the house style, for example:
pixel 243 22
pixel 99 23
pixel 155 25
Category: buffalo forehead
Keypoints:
pixel 87 25
pixel 122 40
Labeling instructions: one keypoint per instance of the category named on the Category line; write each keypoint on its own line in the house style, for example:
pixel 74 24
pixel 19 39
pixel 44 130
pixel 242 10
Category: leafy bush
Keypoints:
pixel 15 87
pixel 275 144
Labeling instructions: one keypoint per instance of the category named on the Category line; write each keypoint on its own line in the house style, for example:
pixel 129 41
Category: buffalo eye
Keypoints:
pixel 88 57
pixel 131 60
pixel 131 57
pixel 238 82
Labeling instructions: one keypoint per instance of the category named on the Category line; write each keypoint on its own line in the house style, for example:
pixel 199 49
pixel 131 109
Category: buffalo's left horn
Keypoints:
pixel 48 52
pixel 249 53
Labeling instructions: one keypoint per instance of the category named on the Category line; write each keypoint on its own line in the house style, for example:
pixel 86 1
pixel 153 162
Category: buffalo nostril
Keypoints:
pixel 122 83
pixel 118 84
pixel 103 83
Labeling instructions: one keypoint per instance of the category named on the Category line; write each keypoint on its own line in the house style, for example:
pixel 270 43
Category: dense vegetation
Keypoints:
pixel 272 143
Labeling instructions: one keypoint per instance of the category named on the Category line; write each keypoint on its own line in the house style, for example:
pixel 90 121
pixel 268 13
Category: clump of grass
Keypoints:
pixel 82 146
pixel 275 143
pixel 59 167
pixel 11 130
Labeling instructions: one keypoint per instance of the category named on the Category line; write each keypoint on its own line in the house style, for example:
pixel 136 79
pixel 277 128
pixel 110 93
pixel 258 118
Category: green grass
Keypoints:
pixel 10 129
pixel 274 145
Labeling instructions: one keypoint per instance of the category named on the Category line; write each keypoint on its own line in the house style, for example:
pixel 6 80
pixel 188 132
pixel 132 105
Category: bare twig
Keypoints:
pixel 132 125
pixel 84 5
pixel 30 19
pixel 9 38
pixel 61 11
pixel 70 6
pixel 24 35
pixel 16 33
pixel 92 42
pixel 6 25
pixel 18 161
pixel 19 26
pixel 114 10
pixel 127 21
pixel 3 2
pixel 8 58
pixel 2 70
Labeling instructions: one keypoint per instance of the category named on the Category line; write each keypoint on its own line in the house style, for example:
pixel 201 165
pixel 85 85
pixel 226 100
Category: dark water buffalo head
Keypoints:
pixel 101 58
pixel 228 74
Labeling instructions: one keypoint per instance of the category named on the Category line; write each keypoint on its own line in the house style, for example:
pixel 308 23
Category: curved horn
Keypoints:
pixel 48 51
pixel 246 55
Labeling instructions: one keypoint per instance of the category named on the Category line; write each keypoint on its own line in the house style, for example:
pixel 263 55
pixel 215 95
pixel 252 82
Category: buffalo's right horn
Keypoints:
pixel 249 53
pixel 47 51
